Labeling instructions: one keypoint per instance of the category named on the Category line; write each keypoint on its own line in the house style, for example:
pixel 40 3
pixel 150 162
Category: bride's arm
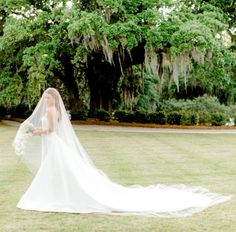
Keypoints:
pixel 50 129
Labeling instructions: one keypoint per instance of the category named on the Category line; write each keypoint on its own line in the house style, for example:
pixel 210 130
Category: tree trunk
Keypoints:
pixel 102 80
pixel 67 77
pixel 103 77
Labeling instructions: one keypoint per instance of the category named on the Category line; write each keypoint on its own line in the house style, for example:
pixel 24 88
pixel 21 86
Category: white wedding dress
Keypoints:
pixel 64 183
pixel 66 179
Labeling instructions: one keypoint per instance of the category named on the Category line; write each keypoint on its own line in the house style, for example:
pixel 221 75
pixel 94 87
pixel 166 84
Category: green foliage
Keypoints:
pixel 204 118
pixel 141 116
pixel 102 115
pixel 204 110
pixel 138 94
pixel 158 117
pixel 204 104
pixel 190 34
pixel 123 116
pixel 31 48
pixel 79 115
pixel 148 97
pixel 189 118
pixel 174 118
pixel 19 112
pixel 209 104
pixel 45 43
pixel 218 119
pixel 183 117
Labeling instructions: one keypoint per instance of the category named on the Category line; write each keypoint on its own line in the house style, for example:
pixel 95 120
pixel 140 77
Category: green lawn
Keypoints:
pixel 143 158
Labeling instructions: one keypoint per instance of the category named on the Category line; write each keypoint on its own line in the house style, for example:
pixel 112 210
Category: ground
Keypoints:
pixel 132 156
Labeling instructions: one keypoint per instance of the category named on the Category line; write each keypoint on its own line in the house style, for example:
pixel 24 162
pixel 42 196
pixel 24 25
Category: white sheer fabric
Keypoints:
pixel 66 180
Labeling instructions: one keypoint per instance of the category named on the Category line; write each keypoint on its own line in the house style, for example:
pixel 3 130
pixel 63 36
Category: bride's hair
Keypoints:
pixel 55 94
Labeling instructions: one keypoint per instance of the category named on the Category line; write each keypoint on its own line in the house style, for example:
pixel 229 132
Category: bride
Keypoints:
pixel 66 179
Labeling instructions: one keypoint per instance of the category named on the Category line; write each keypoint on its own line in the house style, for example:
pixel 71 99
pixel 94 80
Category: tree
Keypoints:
pixel 36 52
pixel 170 46
pixel 46 43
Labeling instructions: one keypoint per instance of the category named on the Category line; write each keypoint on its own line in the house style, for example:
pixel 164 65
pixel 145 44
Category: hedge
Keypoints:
pixel 103 115
pixel 218 119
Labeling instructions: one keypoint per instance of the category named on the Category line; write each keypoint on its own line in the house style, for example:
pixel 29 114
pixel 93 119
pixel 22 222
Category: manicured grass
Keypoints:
pixel 128 158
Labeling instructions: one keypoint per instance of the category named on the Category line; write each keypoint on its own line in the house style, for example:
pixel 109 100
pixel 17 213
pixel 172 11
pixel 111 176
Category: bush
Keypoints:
pixel 19 111
pixel 103 115
pixel 189 118
pixel 158 117
pixel 174 118
pixel 79 115
pixel 233 116
pixel 204 104
pixel 232 109
pixel 209 104
pixel 124 116
pixel 27 113
pixel 204 118
pixel 141 116
pixel 173 105
pixel 218 119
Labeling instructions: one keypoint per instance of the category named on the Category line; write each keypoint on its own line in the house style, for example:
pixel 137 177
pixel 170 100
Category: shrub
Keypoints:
pixel 79 115
pixel 174 118
pixel 232 109
pixel 103 115
pixel 176 105
pixel 27 113
pixel 189 118
pixel 124 116
pixel 204 104
pixel 233 116
pixel 218 119
pixel 209 104
pixel 158 117
pixel 140 116
pixel 204 118
pixel 19 111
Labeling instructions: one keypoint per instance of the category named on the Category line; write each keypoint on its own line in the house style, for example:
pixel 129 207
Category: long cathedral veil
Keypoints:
pixel 30 147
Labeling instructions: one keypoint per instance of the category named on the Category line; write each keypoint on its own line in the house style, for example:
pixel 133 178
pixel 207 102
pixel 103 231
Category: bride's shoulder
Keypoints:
pixel 51 112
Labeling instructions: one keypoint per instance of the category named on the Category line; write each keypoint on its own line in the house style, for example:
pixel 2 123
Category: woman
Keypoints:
pixel 67 180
